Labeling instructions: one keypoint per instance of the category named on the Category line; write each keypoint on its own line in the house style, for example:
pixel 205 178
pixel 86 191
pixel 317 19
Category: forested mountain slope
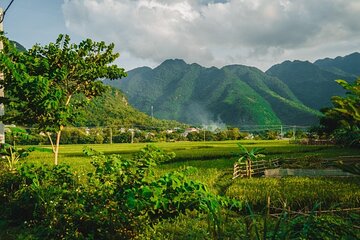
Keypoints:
pixel 314 83
pixel 113 109
pixel 234 95
pixel 348 65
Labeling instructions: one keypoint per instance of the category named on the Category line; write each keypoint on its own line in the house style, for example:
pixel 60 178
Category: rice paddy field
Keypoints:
pixel 335 200
pixel 213 163
pixel 193 152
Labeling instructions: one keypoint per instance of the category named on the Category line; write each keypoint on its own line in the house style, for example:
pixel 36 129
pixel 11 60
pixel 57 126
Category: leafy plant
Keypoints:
pixel 347 107
pixel 12 154
pixel 248 157
pixel 344 117
pixel 15 133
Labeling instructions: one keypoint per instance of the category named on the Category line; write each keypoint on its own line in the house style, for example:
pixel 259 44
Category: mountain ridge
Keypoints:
pixel 234 94
pixel 314 83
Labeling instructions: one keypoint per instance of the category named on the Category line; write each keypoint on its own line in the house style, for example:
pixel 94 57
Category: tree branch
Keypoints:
pixel 51 142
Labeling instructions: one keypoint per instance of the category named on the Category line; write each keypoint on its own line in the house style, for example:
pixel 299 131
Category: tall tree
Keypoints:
pixel 347 108
pixel 343 119
pixel 41 83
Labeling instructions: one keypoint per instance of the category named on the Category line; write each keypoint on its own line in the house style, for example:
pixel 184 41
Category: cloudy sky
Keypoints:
pixel 258 33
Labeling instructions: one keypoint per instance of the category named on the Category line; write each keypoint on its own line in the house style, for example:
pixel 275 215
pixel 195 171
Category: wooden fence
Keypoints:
pixel 256 168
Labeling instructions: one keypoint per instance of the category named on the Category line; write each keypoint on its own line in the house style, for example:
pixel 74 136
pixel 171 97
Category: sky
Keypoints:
pixel 257 33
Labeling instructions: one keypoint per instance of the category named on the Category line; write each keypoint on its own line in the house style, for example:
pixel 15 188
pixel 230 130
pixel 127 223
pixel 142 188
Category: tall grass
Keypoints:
pixel 298 193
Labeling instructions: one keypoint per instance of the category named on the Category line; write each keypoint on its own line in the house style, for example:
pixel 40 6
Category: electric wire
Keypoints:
pixel 4 12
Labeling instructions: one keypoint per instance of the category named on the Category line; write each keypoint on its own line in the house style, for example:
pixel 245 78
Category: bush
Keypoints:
pixel 122 138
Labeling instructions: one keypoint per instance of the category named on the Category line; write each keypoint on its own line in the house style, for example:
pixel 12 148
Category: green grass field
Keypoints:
pixel 190 151
pixel 206 156
pixel 213 166
pixel 214 163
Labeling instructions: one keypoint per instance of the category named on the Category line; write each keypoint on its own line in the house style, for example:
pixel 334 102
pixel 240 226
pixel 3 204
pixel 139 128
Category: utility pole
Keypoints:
pixel 152 112
pixel 132 136
pixel 111 135
pixel 2 111
pixel 2 126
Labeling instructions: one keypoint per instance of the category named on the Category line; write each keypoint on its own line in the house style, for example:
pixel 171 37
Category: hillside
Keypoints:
pixel 19 47
pixel 113 109
pixel 348 65
pixel 313 83
pixel 235 95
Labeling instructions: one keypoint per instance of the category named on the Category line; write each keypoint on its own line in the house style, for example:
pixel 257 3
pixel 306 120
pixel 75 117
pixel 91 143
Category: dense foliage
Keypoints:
pixel 113 110
pixel 347 108
pixel 342 121
pixel 118 199
pixel 41 83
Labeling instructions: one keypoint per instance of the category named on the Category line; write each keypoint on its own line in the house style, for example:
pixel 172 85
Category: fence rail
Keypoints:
pixel 254 168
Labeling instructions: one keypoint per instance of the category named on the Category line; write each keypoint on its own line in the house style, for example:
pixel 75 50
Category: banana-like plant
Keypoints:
pixel 248 156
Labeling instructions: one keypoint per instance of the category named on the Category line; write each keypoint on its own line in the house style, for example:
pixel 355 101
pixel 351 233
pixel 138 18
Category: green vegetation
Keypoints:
pixel 116 200
pixel 346 65
pixel 249 157
pixel 347 108
pixel 143 192
pixel 113 110
pixel 169 190
pixel 342 121
pixel 41 83
pixel 12 154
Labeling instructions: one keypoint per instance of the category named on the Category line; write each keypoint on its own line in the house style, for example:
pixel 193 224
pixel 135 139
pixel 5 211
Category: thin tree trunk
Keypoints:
pixel 51 142
pixel 58 135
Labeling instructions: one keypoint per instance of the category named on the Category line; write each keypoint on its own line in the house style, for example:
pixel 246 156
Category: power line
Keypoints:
pixel 4 12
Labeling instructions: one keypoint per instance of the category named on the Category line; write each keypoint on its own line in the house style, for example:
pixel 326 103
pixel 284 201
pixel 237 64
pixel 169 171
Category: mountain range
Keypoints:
pixel 290 93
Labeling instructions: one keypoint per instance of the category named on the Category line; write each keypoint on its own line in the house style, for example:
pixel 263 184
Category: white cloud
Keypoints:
pixel 218 32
